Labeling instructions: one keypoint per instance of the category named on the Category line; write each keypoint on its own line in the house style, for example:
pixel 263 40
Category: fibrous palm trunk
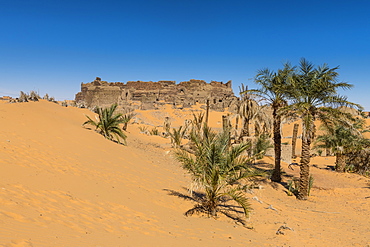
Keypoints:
pixel 207 111
pixel 304 170
pixel 245 129
pixel 276 175
pixel 340 163
pixel 294 139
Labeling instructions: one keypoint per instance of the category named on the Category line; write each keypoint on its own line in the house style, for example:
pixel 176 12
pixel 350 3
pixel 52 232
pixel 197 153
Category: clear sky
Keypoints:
pixel 53 46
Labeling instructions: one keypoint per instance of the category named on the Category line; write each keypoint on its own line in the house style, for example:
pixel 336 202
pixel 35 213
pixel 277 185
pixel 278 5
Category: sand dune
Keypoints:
pixel 65 185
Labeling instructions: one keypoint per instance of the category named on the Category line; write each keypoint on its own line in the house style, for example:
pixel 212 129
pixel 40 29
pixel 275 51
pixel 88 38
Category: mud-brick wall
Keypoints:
pixel 286 153
pixel 102 96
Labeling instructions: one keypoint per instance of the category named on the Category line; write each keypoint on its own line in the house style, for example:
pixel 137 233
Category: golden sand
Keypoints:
pixel 65 185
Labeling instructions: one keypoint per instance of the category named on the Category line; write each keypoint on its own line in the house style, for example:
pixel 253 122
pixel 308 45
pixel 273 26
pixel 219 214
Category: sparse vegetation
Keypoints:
pixel 313 96
pixel 126 119
pixel 154 131
pixel 143 129
pixel 34 96
pixel 23 97
pixel 342 140
pixel 218 169
pixel 107 123
pixel 261 145
pixel 177 135
pixel 197 121
pixel 293 186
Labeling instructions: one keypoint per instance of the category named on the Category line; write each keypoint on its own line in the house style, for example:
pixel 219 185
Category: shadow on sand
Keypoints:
pixel 231 211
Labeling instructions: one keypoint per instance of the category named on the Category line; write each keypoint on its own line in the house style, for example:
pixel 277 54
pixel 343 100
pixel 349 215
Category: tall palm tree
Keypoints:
pixel 217 167
pixel 313 95
pixel 272 91
pixel 107 123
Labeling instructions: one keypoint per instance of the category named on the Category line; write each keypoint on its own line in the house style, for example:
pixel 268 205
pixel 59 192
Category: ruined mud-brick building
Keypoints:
pixel 152 95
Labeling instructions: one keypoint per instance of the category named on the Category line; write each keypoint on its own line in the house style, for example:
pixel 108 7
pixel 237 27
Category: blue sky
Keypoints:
pixel 53 46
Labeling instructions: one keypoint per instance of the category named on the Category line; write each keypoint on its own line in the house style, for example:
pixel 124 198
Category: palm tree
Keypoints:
pixel 217 167
pixel 107 123
pixel 341 140
pixel 126 118
pixel 248 110
pixel 177 135
pixel 272 91
pixel 313 95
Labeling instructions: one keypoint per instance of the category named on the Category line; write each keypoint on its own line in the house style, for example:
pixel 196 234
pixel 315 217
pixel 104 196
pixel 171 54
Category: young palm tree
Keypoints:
pixel 341 140
pixel 313 95
pixel 217 168
pixel 107 123
pixel 126 119
pixel 272 91
pixel 248 110
pixel 177 135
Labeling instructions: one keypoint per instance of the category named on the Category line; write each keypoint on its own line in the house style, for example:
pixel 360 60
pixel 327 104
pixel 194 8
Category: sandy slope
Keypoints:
pixel 64 185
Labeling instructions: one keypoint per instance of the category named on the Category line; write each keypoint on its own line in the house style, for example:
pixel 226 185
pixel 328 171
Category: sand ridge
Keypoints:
pixel 65 185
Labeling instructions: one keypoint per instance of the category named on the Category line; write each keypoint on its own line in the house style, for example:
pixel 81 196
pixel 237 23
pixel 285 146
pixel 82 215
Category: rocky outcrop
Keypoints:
pixel 151 95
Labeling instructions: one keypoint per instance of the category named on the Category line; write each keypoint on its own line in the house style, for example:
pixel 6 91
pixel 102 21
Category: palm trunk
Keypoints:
pixel 294 139
pixel 245 129
pixel 304 169
pixel 124 126
pixel 225 125
pixel 207 111
pixel 340 162
pixel 276 174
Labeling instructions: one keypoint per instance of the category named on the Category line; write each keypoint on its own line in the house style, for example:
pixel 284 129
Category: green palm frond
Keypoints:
pixel 107 123
pixel 216 167
pixel 240 198
pixel 313 95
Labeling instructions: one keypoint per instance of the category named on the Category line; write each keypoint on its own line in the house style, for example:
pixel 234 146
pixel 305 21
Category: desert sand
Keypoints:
pixel 65 185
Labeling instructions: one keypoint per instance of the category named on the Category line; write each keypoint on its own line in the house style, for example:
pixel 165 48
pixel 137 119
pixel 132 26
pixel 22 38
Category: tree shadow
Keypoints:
pixel 231 211
pixel 328 167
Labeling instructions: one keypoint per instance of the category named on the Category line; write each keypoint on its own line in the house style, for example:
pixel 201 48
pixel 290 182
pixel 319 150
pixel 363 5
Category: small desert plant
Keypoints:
pixel 52 99
pixel 310 184
pixel 154 131
pixel 23 97
pixel 46 97
pixel 107 123
pixel 198 121
pixel 293 186
pixel 126 119
pixel 143 129
pixel 64 103
pixel 34 96
pixel 177 135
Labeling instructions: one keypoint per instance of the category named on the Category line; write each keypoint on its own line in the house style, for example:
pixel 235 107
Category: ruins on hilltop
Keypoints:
pixel 152 95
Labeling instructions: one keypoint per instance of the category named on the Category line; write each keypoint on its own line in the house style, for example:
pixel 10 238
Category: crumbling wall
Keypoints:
pixel 185 94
